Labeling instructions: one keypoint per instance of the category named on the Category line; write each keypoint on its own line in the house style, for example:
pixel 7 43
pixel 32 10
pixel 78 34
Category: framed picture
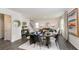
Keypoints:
pixel 73 22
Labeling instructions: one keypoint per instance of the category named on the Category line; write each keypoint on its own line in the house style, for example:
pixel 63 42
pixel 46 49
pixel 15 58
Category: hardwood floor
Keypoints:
pixel 65 45
pixel 7 45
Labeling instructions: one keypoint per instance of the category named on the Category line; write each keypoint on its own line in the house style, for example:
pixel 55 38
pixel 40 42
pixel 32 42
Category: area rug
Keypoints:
pixel 27 46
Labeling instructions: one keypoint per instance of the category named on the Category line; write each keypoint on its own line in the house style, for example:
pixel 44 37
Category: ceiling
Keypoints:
pixel 40 12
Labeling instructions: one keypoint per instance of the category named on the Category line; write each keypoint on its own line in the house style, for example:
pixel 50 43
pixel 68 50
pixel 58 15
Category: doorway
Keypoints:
pixel 5 27
pixel 1 26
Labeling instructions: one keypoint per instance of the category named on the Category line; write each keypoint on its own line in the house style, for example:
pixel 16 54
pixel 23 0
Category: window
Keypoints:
pixel 37 25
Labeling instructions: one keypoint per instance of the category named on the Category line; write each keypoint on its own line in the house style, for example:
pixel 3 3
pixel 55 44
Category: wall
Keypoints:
pixel 1 26
pixel 16 31
pixel 62 27
pixel 52 21
pixel 73 39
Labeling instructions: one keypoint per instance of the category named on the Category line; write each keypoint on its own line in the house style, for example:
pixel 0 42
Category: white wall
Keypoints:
pixel 16 31
pixel 73 39
pixel 62 27
pixel 52 21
